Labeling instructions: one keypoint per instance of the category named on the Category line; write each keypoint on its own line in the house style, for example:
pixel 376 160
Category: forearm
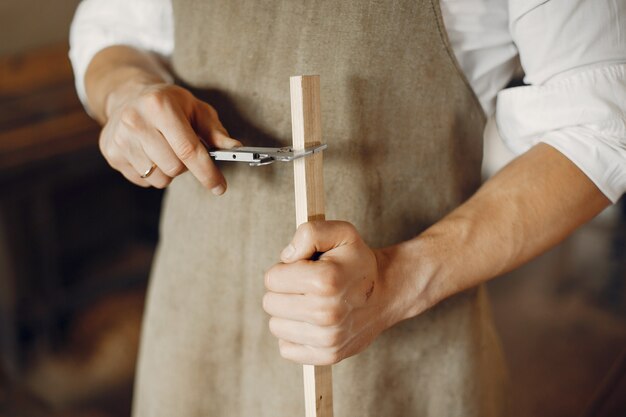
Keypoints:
pixel 117 69
pixel 528 207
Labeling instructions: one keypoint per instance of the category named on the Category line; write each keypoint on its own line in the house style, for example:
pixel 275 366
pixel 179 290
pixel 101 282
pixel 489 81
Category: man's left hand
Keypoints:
pixel 325 310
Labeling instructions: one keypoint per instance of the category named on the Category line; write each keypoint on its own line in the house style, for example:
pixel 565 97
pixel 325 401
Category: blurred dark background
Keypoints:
pixel 76 244
pixel 76 240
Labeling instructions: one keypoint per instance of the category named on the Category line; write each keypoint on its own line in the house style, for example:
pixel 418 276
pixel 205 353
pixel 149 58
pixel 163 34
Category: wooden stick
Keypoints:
pixel 309 186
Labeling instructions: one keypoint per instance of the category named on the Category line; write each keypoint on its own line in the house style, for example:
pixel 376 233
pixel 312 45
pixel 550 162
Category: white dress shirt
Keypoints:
pixel 573 55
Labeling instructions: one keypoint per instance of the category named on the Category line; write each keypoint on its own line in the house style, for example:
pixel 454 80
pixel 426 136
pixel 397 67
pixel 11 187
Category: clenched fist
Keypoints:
pixel 328 309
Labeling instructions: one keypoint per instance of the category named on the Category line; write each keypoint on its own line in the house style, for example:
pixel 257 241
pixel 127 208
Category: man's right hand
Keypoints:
pixel 164 125
pixel 148 122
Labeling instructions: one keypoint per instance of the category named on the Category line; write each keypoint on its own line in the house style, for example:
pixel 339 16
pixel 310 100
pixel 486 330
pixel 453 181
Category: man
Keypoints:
pixel 404 132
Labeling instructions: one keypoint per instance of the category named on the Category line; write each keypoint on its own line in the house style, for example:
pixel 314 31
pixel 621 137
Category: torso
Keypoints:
pixel 404 134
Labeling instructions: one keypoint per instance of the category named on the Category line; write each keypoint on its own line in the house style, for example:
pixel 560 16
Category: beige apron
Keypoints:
pixel 404 133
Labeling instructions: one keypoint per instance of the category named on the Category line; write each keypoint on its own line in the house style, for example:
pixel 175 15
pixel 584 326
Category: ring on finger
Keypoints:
pixel 149 171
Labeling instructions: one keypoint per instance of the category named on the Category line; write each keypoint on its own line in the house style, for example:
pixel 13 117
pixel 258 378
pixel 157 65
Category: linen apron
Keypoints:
pixel 404 141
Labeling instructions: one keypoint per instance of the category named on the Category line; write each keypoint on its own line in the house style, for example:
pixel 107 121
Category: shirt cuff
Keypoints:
pixel 582 115
pixel 99 24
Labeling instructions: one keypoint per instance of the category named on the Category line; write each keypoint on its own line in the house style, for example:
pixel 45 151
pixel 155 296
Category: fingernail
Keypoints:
pixel 234 143
pixel 288 252
pixel 218 189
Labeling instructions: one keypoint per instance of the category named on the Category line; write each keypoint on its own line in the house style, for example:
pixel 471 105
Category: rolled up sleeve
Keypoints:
pixel 574 56
pixel 98 24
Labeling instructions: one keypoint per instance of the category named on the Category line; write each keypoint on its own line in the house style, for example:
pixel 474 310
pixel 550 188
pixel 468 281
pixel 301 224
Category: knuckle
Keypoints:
pixel 337 337
pixel 183 92
pixel 349 229
pixel 330 316
pixel 113 163
pixel 212 112
pixel 284 352
pixel 329 358
pixel 121 141
pixel 113 156
pixel 155 101
pixel 135 181
pixel 273 326
pixel 162 183
pixel 186 150
pixel 328 286
pixel 329 282
pixel 333 338
pixel 333 358
pixel 212 179
pixel 307 231
pixel 107 145
pixel 267 280
pixel 173 168
pixel 266 302
pixel 103 143
pixel 130 117
pixel 106 149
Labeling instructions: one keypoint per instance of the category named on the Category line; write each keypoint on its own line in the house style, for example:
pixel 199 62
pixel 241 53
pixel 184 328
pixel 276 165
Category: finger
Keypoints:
pixel 318 236
pixel 304 277
pixel 210 128
pixel 310 309
pixel 142 164
pixel 158 179
pixel 308 355
pixel 306 334
pixel 189 149
pixel 129 172
pixel 291 307
pixel 160 152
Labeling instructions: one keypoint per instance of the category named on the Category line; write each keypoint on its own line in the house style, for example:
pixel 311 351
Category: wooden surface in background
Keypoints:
pixel 72 230
pixel 41 117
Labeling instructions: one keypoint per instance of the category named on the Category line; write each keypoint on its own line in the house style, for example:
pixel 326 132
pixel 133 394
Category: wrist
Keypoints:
pixel 114 69
pixel 408 274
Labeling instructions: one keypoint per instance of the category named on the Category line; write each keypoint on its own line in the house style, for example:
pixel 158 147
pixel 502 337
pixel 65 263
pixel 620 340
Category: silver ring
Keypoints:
pixel 149 171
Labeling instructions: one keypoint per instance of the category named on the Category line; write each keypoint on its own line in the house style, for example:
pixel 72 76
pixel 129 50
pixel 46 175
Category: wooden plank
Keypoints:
pixel 41 118
pixel 45 103
pixel 48 138
pixel 309 189
pixel 35 69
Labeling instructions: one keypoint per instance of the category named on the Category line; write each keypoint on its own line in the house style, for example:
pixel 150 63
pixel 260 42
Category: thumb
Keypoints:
pixel 222 140
pixel 210 128
pixel 318 236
